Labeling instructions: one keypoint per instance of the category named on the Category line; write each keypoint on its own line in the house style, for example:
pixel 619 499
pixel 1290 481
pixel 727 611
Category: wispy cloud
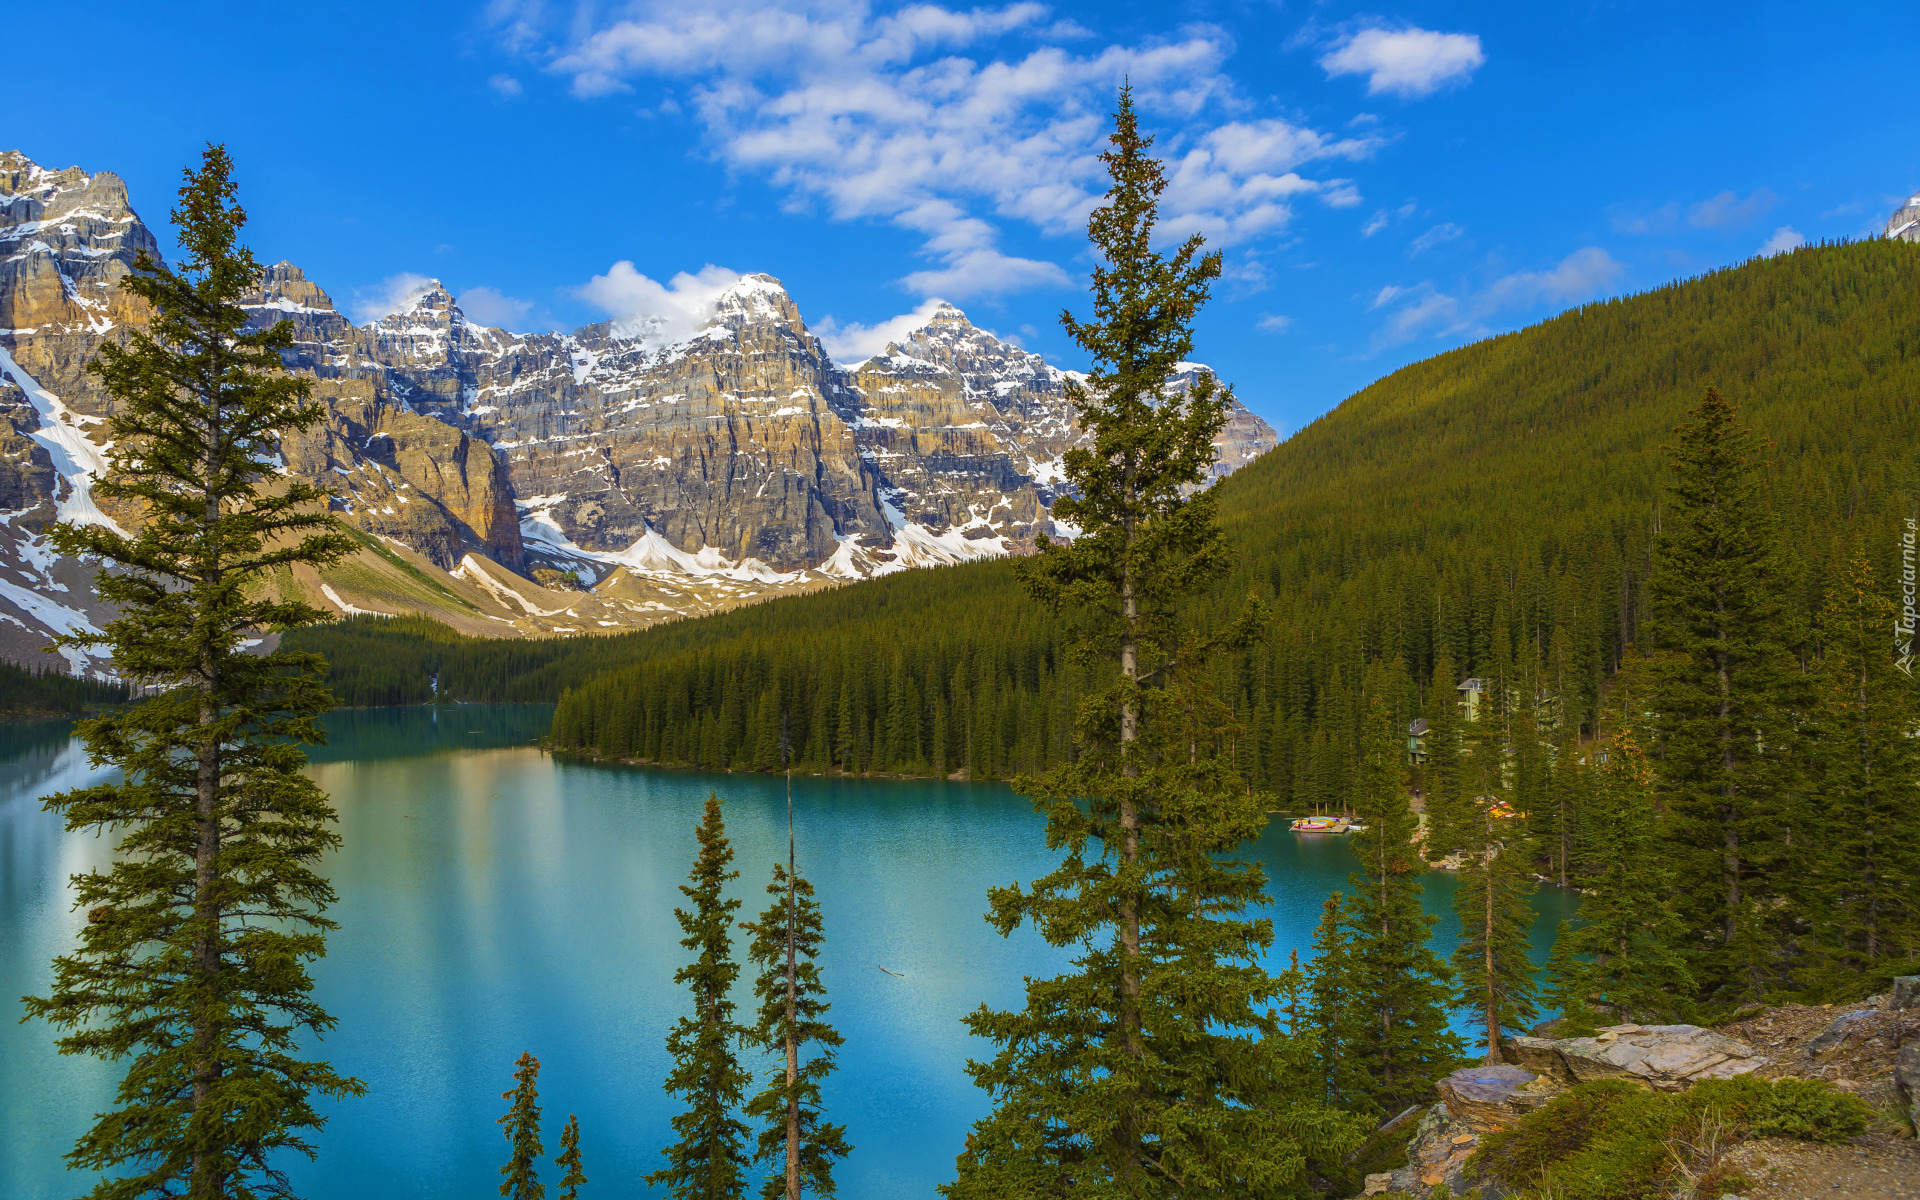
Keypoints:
pixel 1664 219
pixel 1438 235
pixel 1423 310
pixel 488 306
pixel 389 296
pixel 1273 323
pixel 1728 210
pixel 853 342
pixel 949 122
pixel 1385 217
pixel 505 86
pixel 1409 62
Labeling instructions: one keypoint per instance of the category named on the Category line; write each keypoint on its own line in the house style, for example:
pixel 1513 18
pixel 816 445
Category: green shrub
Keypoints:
pixel 1809 1110
pixel 1613 1140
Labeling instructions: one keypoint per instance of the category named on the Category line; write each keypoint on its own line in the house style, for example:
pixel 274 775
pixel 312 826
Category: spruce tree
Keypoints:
pixel 793 1026
pixel 709 1161
pixel 1153 1067
pixel 521 1127
pixel 192 963
pixel 1494 902
pixel 1724 748
pixel 1330 1017
pixel 1562 986
pixel 1865 863
pixel 1398 1043
pixel 568 1160
pixel 1448 811
pixel 1627 943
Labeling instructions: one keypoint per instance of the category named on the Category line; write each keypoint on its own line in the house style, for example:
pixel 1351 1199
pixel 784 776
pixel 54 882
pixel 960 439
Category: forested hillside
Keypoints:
pixel 1496 503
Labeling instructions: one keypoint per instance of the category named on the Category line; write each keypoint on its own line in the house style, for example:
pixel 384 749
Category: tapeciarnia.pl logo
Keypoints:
pixel 1903 624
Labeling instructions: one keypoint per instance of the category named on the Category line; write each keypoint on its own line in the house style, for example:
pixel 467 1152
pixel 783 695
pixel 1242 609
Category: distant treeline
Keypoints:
pixel 46 691
pixel 1496 502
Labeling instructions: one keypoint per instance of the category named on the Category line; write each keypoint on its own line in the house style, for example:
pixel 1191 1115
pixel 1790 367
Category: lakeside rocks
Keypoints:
pixel 1477 1101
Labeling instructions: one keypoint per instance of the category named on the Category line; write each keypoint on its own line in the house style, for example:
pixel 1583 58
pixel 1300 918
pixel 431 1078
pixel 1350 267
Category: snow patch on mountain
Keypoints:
pixel 78 461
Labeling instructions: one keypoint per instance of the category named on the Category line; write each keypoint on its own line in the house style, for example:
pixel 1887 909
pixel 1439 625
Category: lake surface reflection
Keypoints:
pixel 495 899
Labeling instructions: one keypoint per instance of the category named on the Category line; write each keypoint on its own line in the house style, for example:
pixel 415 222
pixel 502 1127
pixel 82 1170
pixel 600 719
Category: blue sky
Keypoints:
pixel 1386 182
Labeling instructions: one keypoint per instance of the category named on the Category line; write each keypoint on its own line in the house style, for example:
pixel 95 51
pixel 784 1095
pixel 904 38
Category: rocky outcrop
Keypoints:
pixel 1474 1102
pixel 1477 1101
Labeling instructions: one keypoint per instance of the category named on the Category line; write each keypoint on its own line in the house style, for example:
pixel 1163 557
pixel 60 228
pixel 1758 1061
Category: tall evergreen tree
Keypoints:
pixel 521 1127
pixel 793 1026
pixel 709 1161
pixel 568 1160
pixel 1864 867
pixel 1494 902
pixel 1151 1068
pixel 1398 988
pixel 1628 961
pixel 192 963
pixel 1330 1017
pixel 1724 745
pixel 1444 774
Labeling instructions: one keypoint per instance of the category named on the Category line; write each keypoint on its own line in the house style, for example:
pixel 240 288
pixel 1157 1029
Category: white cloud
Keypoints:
pixel 1436 236
pixel 1375 224
pixel 488 306
pixel 853 342
pixel 390 295
pixel 659 314
pixel 1273 323
pixel 505 85
pixel 1727 210
pixel 1408 62
pixel 1784 239
pixel 1425 310
pixel 952 123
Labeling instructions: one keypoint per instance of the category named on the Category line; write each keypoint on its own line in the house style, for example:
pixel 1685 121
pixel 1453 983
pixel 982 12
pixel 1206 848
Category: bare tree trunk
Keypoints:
pixel 793 1049
pixel 1866 824
pixel 1129 1013
pixel 1729 827
pixel 207 947
pixel 1493 1007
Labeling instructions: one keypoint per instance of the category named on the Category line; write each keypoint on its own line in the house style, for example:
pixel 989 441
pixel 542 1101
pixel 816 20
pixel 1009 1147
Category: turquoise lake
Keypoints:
pixel 495 899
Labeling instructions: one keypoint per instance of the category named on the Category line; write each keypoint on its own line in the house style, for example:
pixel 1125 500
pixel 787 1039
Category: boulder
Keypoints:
pixel 1906 1081
pixel 1483 1099
pixel 1906 992
pixel 1474 1101
pixel 1665 1057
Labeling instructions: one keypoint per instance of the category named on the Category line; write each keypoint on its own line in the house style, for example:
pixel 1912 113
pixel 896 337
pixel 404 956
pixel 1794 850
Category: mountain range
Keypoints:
pixel 514 484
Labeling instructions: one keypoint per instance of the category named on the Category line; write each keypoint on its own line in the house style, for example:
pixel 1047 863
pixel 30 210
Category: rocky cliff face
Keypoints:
pixel 1905 221
pixel 528 483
